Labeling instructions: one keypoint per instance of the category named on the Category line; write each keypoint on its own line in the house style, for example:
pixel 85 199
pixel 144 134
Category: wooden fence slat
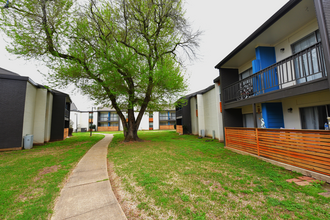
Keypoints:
pixel 297 163
pixel 307 157
pixel 301 150
pixel 308 149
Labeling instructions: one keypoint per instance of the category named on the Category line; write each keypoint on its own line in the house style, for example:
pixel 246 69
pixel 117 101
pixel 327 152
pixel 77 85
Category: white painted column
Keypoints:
pixel 219 114
pixel 40 116
pixel 201 121
pixel 156 120
pixel 48 119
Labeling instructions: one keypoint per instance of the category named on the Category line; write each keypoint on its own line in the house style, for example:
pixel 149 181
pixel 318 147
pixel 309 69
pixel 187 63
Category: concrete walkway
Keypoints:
pixel 88 193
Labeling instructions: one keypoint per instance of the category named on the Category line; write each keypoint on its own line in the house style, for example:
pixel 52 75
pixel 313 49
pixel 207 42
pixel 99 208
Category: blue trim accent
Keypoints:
pixel 265 57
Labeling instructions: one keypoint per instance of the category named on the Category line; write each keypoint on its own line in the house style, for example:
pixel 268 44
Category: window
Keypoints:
pixel 163 123
pixel 113 117
pixel 103 125
pixel 245 74
pixel 114 124
pixel 163 116
pixel 314 117
pixel 173 116
pixel 306 66
pixel 248 121
pixel 151 115
pixel 103 116
pixel 151 124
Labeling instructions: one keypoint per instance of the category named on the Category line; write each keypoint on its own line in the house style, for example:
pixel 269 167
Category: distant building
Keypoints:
pixel 201 115
pixel 107 119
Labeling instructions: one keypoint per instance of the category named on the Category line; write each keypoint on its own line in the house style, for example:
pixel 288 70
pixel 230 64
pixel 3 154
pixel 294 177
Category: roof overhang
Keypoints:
pixel 291 17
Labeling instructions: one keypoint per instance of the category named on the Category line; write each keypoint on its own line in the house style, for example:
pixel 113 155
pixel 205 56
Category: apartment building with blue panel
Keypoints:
pixel 280 73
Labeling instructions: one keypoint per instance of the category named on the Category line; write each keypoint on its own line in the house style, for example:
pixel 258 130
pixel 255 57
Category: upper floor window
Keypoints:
pixel 308 65
pixel 113 117
pixel 246 74
pixel 306 42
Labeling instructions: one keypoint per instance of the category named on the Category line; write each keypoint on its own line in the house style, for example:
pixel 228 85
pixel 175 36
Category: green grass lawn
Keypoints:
pixel 181 177
pixel 30 180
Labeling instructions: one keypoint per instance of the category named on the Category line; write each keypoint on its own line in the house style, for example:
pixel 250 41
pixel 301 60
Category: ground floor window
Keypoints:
pixel 103 124
pixel 248 121
pixel 151 124
pixel 314 117
pixel 115 124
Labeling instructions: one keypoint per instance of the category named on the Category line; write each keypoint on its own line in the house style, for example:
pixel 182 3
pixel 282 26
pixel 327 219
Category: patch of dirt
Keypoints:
pixel 129 207
pixel 46 170
pixel 215 186
pixel 123 143
pixel 31 194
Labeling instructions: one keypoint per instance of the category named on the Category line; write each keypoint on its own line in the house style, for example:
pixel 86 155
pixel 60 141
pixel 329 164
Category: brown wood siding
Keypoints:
pixel 166 127
pixel 111 128
pixel 307 149
pixel 179 129
pixel 66 133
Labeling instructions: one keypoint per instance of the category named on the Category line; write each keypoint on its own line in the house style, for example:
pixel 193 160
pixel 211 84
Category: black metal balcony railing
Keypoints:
pixel 108 119
pixel 167 118
pixel 179 112
pixel 67 114
pixel 302 67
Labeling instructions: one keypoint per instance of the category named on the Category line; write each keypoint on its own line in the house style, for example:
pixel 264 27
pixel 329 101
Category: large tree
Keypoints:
pixel 122 53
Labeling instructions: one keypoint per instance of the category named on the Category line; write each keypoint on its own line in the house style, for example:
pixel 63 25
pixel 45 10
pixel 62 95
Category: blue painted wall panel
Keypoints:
pixel 272 113
pixel 265 57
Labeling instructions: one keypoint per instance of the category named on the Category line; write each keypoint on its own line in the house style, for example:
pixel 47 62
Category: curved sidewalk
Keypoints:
pixel 88 193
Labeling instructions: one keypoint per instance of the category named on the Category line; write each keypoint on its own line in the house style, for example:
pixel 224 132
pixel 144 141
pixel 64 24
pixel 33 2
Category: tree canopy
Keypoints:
pixel 122 53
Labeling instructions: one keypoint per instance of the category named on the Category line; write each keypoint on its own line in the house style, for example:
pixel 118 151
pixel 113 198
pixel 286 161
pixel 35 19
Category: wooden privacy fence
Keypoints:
pixel 109 128
pixel 307 149
pixel 179 129
pixel 166 127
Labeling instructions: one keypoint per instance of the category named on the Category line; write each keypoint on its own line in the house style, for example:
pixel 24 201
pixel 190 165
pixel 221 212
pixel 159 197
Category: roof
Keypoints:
pixel 73 107
pixel 280 13
pixel 200 92
pixel 7 72
pixel 105 109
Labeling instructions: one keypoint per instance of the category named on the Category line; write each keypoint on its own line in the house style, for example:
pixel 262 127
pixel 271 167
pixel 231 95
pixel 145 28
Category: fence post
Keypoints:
pixel 257 136
pixel 226 139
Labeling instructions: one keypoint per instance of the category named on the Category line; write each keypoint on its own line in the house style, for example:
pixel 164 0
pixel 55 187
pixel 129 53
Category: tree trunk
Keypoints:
pixel 131 130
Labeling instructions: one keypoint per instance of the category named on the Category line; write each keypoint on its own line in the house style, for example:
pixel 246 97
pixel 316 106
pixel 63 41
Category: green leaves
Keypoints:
pixel 119 51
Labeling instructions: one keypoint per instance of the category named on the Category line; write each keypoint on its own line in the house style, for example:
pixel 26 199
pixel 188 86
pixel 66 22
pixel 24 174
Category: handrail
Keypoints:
pixel 302 67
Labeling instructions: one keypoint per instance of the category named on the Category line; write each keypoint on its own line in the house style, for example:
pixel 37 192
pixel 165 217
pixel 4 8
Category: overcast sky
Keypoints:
pixel 225 25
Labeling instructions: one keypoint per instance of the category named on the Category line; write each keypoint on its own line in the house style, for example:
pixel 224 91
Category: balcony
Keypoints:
pixel 167 118
pixel 303 67
pixel 179 113
pixel 108 119
pixel 67 114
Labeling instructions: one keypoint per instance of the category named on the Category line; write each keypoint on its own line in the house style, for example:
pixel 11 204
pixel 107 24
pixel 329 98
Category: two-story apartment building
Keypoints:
pixel 166 119
pixel 201 114
pixel 107 119
pixel 278 79
pixel 28 108
pixel 280 73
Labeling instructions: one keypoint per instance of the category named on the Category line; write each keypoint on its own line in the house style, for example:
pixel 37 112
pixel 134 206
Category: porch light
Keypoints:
pixel 290 110
pixel 282 50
